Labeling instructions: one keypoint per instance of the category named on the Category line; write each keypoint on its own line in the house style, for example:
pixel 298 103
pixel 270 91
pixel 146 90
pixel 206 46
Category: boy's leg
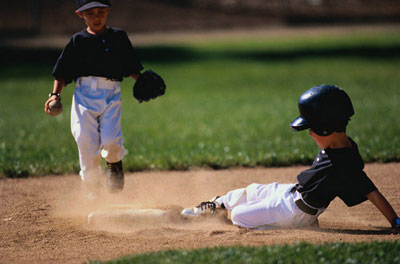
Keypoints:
pixel 84 128
pixel 233 198
pixel 268 205
pixel 253 214
pixel 252 192
pixel 256 205
pixel 112 149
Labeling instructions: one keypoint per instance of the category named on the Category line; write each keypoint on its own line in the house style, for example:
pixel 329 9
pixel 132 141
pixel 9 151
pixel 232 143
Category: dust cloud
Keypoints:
pixel 154 201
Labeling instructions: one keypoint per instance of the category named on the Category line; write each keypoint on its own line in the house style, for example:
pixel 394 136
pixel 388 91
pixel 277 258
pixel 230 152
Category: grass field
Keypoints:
pixel 227 104
pixel 333 253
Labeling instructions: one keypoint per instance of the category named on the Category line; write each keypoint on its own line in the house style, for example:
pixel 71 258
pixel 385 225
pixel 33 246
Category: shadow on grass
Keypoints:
pixel 181 54
pixel 37 58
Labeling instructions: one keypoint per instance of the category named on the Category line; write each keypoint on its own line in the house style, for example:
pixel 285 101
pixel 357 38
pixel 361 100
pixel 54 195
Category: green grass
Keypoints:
pixel 228 103
pixel 340 253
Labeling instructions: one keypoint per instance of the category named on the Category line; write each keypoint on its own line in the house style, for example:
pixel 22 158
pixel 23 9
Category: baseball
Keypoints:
pixel 55 107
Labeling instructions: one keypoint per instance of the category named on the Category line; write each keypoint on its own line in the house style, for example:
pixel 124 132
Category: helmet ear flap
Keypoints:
pixel 328 129
pixel 322 132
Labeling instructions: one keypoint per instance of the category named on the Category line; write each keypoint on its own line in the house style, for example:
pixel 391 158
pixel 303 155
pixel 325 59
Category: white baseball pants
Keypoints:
pixel 264 206
pixel 96 124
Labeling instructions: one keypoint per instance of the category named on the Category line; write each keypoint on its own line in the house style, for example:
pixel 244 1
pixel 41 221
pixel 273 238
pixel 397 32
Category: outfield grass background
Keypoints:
pixel 228 103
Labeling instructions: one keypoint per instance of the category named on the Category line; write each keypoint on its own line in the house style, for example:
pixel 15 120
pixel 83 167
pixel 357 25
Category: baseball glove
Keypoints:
pixel 148 86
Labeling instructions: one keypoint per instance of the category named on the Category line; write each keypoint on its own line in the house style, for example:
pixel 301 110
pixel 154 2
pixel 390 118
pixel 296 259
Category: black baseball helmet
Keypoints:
pixel 325 109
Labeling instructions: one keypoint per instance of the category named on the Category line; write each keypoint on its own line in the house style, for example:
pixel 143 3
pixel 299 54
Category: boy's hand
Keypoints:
pixel 53 105
pixel 396 226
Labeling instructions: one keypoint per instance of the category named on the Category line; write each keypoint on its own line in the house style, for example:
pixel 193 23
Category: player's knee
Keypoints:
pixel 252 186
pixel 86 145
pixel 242 218
pixel 236 217
pixel 108 143
pixel 113 152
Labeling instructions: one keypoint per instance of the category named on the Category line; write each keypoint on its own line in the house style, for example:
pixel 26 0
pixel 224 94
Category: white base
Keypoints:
pixel 130 216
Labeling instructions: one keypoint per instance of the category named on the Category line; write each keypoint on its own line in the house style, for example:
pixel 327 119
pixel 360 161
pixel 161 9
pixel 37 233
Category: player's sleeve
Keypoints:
pixel 357 189
pixel 64 67
pixel 131 62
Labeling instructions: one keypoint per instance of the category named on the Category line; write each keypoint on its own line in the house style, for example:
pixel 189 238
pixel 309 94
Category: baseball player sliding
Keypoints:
pixel 97 59
pixel 337 171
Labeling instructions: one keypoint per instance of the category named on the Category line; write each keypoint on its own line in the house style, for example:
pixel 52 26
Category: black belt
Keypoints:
pixel 305 208
pixel 302 206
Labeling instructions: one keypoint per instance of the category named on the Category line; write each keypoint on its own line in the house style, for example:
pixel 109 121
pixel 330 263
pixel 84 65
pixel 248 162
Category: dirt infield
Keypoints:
pixel 44 220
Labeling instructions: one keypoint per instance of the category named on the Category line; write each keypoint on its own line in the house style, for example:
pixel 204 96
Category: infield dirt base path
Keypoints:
pixel 44 220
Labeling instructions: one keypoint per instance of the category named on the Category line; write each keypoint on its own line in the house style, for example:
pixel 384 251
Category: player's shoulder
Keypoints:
pixel 117 34
pixel 116 30
pixel 79 36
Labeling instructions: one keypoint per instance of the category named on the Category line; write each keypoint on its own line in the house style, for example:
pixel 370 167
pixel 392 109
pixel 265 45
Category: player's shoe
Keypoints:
pixel 209 206
pixel 115 176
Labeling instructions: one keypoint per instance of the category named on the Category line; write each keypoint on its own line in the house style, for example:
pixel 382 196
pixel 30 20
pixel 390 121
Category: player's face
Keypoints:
pixel 95 18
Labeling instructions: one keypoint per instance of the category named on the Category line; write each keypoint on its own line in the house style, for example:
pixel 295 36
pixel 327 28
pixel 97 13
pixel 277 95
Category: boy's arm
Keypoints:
pixel 383 205
pixel 58 86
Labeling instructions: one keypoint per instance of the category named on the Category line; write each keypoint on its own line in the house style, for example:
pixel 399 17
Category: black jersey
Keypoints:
pixel 335 172
pixel 108 55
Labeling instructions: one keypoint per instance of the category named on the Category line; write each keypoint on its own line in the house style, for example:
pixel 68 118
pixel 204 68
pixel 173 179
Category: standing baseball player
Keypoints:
pixel 97 59
pixel 337 171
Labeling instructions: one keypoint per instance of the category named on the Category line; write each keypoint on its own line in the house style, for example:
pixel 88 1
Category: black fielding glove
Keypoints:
pixel 148 86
